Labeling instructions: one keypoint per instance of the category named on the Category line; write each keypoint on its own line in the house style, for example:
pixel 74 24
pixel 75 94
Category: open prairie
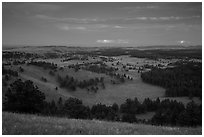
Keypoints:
pixel 21 124
pixel 96 80
pixel 112 93
pixel 117 93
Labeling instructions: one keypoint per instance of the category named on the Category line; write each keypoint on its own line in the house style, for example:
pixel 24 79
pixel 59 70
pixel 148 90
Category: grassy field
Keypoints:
pixel 119 93
pixel 111 94
pixel 18 124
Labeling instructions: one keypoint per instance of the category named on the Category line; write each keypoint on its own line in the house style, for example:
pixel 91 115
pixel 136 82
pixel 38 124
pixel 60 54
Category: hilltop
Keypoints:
pixel 31 124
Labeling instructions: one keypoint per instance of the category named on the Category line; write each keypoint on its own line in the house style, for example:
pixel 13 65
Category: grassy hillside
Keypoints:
pixel 31 124
pixel 111 94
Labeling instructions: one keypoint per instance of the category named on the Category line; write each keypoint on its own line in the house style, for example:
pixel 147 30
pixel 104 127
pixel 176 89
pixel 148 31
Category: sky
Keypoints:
pixel 102 24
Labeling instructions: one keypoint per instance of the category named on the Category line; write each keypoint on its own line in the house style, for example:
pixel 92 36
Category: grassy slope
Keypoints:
pixel 113 93
pixel 31 124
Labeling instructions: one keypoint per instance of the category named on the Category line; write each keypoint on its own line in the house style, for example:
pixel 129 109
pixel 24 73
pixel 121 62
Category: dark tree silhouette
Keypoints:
pixel 74 108
pixel 129 118
pixel 184 79
pixel 24 97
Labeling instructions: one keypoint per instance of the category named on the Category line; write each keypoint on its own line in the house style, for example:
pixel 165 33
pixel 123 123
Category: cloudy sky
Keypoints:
pixel 91 24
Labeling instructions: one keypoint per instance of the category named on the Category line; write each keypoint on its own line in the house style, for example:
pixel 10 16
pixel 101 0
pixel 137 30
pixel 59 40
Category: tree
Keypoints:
pixel 24 97
pixel 132 107
pixel 60 106
pixel 43 79
pixel 129 118
pixel 21 69
pixel 191 116
pixel 7 77
pixel 50 108
pixel 59 102
pixel 74 108
pixel 115 107
pixel 99 111
pixel 183 80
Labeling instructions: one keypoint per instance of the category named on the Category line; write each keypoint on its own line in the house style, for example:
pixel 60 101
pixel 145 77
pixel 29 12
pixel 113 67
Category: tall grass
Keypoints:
pixel 16 124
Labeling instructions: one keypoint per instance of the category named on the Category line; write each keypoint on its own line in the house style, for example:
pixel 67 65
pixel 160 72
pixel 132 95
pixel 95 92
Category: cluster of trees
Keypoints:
pixel 106 59
pixel 67 82
pixel 17 62
pixel 132 107
pixel 71 108
pixel 184 79
pixel 21 69
pixel 103 112
pixel 71 83
pixel 9 72
pixel 100 67
pixel 97 67
pixel 151 54
pixel 120 77
pixel 76 67
pixel 24 97
pixel 174 113
pixel 45 65
pixel 75 57
pixel 43 79
pixel 17 55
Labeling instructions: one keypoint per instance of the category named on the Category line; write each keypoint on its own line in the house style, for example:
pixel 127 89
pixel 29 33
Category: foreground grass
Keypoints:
pixel 13 123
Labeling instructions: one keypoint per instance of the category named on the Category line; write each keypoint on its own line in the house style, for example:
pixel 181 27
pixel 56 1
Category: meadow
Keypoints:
pixel 111 94
pixel 23 124
pixel 114 92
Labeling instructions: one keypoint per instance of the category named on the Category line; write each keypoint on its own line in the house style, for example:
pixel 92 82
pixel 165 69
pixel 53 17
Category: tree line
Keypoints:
pixel 149 53
pixel 18 62
pixel 101 67
pixel 184 79
pixel 17 55
pixel 24 97
pixel 70 83
pixel 9 72
pixel 45 65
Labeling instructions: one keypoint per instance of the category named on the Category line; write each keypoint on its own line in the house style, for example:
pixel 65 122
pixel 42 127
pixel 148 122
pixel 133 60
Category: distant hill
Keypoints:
pixel 81 46
pixel 169 47
pixel 31 124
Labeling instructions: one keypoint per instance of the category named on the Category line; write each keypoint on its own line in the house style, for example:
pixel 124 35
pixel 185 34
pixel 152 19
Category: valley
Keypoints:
pixel 114 84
